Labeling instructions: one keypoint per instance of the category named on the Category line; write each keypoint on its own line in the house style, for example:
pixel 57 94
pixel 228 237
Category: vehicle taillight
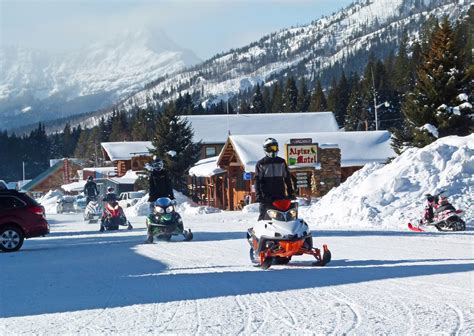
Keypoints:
pixel 39 210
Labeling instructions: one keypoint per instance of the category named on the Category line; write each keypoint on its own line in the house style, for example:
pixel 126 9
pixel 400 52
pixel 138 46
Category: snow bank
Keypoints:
pixel 251 208
pixel 392 195
pixel 49 201
pixel 185 206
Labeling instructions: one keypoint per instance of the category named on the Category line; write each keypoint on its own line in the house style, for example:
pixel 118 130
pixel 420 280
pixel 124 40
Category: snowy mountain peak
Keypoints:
pixel 323 48
pixel 84 80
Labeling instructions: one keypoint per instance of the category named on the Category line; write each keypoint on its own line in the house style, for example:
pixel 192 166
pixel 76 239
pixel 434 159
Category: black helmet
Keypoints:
pixel 270 147
pixel 157 164
pixel 90 178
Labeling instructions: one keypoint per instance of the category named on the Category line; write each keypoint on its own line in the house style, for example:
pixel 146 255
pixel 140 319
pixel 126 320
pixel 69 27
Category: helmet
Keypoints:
pixel 90 178
pixel 110 189
pixel 430 198
pixel 443 200
pixel 157 164
pixel 270 147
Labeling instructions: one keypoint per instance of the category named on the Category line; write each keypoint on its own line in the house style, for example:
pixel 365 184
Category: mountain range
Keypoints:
pixel 38 85
pixel 322 49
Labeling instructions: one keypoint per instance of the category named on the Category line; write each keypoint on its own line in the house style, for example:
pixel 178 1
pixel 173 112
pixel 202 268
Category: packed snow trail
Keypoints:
pixel 80 281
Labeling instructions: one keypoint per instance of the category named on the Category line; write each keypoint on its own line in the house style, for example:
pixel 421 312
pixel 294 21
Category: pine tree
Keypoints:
pixel 38 151
pixel 139 126
pixel 277 103
pixel 357 114
pixel 119 128
pixel 290 95
pixel 302 104
pixel 343 93
pixel 318 101
pixel 257 101
pixel 333 96
pixel 441 78
pixel 267 102
pixel 175 134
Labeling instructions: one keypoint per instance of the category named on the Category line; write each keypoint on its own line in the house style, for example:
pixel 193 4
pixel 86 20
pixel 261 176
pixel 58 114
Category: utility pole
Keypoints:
pixel 376 107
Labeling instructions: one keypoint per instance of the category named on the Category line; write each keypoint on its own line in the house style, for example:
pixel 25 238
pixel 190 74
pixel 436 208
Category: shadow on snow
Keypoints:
pixel 67 274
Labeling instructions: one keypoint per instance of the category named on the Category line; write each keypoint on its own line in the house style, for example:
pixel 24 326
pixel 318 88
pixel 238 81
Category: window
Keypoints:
pixel 210 151
pixel 8 202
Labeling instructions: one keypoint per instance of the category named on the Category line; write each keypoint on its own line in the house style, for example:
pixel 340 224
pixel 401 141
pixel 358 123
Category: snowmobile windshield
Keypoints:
pixel 163 202
pixel 281 216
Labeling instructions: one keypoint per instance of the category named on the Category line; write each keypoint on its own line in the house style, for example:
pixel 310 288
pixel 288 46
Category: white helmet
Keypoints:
pixel 270 147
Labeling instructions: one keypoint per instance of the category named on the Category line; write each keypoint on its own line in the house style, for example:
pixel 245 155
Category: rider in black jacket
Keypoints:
pixel 90 190
pixel 272 178
pixel 160 183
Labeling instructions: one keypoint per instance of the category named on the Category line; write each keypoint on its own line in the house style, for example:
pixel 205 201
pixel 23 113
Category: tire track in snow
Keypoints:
pixel 428 298
pixel 244 308
pixel 268 308
pixel 460 320
pixel 88 325
pixel 167 329
pixel 319 299
pixel 199 318
pixel 357 319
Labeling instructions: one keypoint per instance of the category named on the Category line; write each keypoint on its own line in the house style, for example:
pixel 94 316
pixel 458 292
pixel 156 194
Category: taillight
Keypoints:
pixel 37 209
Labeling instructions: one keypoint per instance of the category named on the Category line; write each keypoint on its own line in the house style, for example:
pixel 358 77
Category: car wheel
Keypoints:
pixel 11 239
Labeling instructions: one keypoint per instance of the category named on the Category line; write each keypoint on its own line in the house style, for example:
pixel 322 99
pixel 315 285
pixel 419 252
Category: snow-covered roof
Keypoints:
pixel 101 169
pixel 127 149
pixel 206 167
pixel 357 148
pixel 74 186
pixel 216 128
pixel 129 178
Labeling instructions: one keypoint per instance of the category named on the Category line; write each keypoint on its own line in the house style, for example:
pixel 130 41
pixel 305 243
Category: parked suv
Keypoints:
pixel 20 217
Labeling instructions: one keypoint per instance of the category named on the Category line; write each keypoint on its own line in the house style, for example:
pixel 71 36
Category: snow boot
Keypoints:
pixel 149 240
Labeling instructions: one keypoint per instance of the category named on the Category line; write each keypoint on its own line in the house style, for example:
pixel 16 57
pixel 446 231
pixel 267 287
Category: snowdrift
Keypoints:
pixel 184 206
pixel 392 195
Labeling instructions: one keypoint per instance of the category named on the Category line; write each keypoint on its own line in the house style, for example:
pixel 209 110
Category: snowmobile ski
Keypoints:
pixel 415 228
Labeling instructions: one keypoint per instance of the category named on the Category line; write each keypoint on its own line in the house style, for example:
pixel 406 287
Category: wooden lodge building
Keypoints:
pixel 61 171
pixel 127 155
pixel 213 130
pixel 317 161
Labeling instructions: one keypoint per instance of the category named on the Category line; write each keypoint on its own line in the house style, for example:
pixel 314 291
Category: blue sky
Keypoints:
pixel 206 27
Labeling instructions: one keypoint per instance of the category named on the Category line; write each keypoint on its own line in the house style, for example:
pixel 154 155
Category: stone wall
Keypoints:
pixel 328 174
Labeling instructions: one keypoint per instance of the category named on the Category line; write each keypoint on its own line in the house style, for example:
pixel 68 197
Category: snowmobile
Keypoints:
pixel 65 204
pixel 282 235
pixel 440 214
pixel 113 217
pixel 93 211
pixel 164 222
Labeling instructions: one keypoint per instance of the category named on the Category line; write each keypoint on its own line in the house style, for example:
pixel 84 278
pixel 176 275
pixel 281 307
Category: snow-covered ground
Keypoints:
pixel 80 281
pixel 383 279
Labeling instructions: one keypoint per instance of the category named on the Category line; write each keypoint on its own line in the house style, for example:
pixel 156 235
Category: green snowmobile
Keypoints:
pixel 164 222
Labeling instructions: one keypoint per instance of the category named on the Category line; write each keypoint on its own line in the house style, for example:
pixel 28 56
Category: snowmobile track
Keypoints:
pixel 247 312
pixel 456 311
pixel 357 317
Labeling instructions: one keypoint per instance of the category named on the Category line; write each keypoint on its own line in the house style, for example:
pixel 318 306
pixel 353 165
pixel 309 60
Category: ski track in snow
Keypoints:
pixel 379 282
